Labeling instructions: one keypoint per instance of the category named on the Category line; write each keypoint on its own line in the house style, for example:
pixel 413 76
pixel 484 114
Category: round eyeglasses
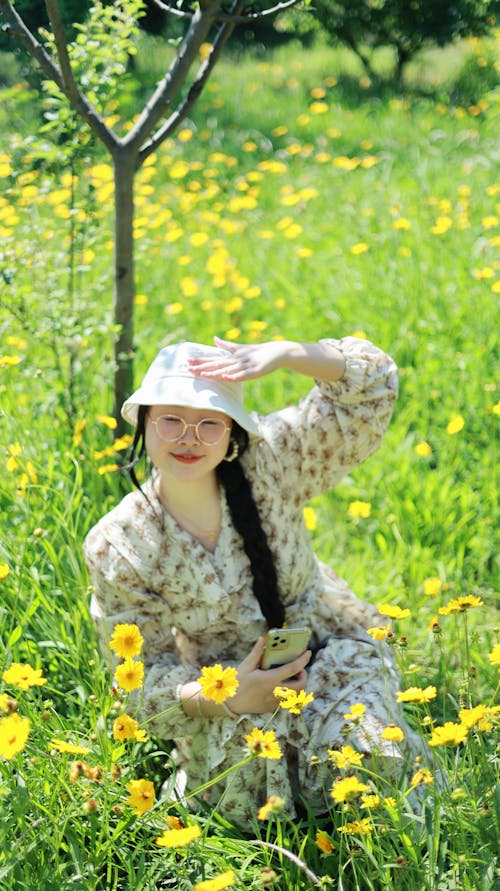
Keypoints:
pixel 171 428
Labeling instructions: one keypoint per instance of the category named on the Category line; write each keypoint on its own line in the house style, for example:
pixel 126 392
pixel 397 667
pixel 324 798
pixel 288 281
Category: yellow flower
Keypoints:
pixel 417 694
pixel 460 605
pixel 370 801
pixel 347 788
pixel 455 425
pixel 24 676
pixel 449 734
pixel 392 733
pixel 359 509
pixel 142 795
pixel 292 700
pixel 310 519
pixel 423 449
pixel 273 805
pixel 357 711
pixel 357 827
pixel 494 656
pixel 130 675
pixel 359 248
pixel 218 683
pixel 125 727
pixel 263 743
pixel 176 838
pixel 401 223
pixel 126 641
pixel 14 732
pixel 394 612
pixel 107 421
pixel 107 468
pixel 223 880
pixel 379 632
pixel 432 586
pixel 60 745
pixel 4 570
pixel 422 775
pixel 324 842
pixel 472 716
pixel 346 757
pixel 9 360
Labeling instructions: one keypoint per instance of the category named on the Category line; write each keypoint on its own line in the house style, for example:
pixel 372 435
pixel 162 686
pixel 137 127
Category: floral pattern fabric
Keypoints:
pixel 195 607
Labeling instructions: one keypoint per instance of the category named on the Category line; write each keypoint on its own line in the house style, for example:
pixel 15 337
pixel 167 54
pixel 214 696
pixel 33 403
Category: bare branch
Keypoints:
pixel 21 32
pixel 257 16
pixel 172 10
pixel 195 89
pixel 155 108
pixel 70 89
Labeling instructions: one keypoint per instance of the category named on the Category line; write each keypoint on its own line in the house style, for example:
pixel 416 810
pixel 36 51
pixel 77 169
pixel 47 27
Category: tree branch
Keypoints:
pixel 19 30
pixel 172 10
pixel 257 16
pixel 70 89
pixel 195 89
pixel 155 108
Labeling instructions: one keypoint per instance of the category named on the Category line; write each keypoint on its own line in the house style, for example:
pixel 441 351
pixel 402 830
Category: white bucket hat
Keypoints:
pixel 168 381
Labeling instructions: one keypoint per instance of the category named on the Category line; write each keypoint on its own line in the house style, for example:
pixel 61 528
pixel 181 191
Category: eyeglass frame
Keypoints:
pixel 187 426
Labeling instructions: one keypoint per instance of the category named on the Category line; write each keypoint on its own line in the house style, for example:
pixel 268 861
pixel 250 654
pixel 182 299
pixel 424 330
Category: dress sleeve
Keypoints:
pixel 338 424
pixel 120 595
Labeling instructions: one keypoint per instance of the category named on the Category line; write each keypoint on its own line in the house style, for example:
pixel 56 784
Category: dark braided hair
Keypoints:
pixel 244 514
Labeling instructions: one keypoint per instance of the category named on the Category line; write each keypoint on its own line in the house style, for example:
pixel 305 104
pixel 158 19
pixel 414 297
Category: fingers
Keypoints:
pixel 252 661
pixel 291 669
pixel 225 344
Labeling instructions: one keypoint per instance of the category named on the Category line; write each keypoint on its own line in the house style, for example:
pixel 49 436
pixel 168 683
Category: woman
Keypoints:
pixel 213 550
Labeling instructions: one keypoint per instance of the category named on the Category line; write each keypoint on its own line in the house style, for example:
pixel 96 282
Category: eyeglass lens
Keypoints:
pixel 172 428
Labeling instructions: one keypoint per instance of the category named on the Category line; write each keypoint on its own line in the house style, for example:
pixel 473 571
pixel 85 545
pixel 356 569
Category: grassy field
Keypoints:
pixel 300 201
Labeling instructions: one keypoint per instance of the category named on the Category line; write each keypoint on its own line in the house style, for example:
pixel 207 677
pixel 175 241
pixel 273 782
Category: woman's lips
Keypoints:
pixel 186 459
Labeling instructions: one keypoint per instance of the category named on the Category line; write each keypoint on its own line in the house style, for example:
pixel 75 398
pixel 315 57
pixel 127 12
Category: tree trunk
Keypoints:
pixel 123 299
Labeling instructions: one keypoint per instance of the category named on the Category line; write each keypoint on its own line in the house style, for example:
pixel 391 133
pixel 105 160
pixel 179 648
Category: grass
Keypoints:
pixel 268 216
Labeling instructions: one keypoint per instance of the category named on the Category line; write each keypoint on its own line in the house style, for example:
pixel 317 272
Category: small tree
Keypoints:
pixel 209 22
pixel 405 25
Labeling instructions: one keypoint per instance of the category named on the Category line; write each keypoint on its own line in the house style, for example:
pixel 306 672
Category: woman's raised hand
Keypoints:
pixel 255 691
pixel 244 362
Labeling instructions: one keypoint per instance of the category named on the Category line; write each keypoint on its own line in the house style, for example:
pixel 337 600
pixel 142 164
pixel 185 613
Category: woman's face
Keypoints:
pixel 186 458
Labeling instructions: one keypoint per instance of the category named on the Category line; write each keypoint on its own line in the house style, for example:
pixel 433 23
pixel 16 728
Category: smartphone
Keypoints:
pixel 284 645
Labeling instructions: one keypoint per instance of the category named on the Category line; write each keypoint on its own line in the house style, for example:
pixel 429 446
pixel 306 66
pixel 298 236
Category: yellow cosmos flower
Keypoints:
pixel 14 732
pixel 223 880
pixel 324 842
pixel 24 676
pixel 357 711
pixel 371 801
pixel 393 612
pixel 263 743
pixel 359 509
pixel 472 716
pixel 107 421
pixel 423 449
pixel 359 248
pixel 142 795
pixel 448 734
pixel 460 605
pixel 4 571
pixel 130 675
pixel 346 789
pixel 456 424
pixel 494 656
pixel 379 632
pixel 5 361
pixel 291 700
pixel 422 775
pixel 432 586
pixel 126 641
pixel 273 805
pixel 346 757
pixel 401 223
pixel 310 519
pixel 392 733
pixel 416 694
pixel 218 683
pixel 357 827
pixel 125 727
pixel 60 745
pixel 177 838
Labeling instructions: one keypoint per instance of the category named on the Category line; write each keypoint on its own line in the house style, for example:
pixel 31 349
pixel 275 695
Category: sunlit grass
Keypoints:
pixel 278 217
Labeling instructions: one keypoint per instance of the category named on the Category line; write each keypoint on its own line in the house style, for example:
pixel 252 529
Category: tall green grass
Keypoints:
pixel 269 216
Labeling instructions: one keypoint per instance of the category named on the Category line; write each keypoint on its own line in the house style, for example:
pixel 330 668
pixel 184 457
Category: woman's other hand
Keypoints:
pixel 255 691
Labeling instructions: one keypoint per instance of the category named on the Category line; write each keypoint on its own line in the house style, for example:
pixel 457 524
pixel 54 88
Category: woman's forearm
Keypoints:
pixel 320 360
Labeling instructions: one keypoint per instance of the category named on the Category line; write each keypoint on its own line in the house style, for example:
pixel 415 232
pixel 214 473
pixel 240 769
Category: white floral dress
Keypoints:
pixel 196 608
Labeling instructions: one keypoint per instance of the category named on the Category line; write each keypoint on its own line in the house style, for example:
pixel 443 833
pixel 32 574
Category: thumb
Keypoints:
pixel 252 661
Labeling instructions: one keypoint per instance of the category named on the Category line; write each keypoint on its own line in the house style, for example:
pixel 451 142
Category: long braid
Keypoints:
pixel 246 519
